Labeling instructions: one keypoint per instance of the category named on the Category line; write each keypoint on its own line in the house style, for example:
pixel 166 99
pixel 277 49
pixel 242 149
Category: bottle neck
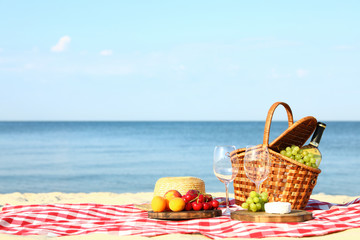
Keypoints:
pixel 314 144
pixel 315 140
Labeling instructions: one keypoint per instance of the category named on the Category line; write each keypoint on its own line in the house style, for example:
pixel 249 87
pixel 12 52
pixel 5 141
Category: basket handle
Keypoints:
pixel 269 119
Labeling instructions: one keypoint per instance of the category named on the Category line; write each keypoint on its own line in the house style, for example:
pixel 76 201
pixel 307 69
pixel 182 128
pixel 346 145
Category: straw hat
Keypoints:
pixel 181 184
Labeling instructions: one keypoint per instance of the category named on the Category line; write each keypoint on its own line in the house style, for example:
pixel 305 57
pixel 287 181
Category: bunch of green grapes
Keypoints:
pixel 304 157
pixel 255 202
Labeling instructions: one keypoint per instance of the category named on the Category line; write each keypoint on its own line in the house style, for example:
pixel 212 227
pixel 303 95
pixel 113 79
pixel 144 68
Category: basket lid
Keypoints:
pixel 297 134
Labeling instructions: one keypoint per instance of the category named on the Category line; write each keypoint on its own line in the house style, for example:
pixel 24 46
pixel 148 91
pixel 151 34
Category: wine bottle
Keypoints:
pixel 312 150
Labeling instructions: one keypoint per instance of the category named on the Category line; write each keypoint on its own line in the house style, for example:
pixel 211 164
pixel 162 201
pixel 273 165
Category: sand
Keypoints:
pixel 136 198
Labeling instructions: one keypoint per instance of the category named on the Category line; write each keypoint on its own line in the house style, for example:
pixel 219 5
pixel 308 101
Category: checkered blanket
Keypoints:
pixel 75 219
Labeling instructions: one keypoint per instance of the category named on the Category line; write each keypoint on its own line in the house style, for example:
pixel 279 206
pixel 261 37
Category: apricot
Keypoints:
pixel 158 204
pixel 177 204
pixel 170 195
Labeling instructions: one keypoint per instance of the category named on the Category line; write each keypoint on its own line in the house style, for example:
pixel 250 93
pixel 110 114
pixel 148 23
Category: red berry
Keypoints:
pixel 200 198
pixel 185 199
pixel 193 192
pixel 208 198
pixel 190 197
pixel 215 204
pixel 196 206
pixel 206 206
pixel 188 206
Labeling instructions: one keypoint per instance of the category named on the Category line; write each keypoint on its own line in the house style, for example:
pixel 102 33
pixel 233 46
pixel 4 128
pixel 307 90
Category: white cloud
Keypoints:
pixel 106 52
pixel 233 67
pixel 301 73
pixel 275 74
pixel 345 47
pixel 29 66
pixel 62 44
pixel 180 68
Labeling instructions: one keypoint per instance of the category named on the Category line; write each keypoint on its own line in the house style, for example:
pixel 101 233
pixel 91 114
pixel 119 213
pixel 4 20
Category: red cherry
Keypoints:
pixel 188 206
pixel 200 198
pixel 185 199
pixel 206 206
pixel 215 204
pixel 208 198
pixel 196 206
pixel 193 192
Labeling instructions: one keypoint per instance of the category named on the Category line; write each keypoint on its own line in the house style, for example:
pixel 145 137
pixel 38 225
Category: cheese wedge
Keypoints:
pixel 278 207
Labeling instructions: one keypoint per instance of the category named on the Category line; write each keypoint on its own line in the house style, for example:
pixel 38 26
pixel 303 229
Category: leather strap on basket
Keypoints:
pixel 269 119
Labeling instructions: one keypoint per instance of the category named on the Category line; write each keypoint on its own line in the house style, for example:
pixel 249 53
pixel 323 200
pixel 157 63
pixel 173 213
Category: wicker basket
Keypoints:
pixel 288 180
pixel 181 184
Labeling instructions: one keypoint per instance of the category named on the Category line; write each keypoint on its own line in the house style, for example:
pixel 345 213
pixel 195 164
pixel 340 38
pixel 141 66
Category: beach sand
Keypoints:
pixel 137 198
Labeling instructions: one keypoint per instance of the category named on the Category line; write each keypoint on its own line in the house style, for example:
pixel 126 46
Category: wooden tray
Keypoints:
pixel 184 215
pixel 293 216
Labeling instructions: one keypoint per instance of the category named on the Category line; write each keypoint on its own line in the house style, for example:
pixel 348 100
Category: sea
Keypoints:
pixel 130 157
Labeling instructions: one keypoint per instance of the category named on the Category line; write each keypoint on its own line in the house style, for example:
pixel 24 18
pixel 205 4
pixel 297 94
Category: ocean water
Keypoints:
pixel 130 156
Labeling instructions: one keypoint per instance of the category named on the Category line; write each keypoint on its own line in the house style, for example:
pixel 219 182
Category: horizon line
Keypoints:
pixel 166 120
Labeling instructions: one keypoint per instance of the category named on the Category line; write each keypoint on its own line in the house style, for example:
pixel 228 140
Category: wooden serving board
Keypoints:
pixel 183 215
pixel 293 216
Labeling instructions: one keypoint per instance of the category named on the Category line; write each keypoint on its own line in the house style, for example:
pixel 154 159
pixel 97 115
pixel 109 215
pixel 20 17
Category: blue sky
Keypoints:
pixel 178 60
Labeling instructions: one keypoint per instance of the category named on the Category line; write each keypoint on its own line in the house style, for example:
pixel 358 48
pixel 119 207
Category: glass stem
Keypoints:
pixel 258 188
pixel 227 196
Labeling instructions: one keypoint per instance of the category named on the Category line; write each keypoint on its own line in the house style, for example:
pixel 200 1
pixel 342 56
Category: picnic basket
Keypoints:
pixel 288 180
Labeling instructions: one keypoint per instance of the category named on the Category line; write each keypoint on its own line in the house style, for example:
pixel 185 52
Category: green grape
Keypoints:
pixel 253 207
pixel 304 153
pixel 245 205
pixel 257 202
pixel 249 200
pixel 300 155
pixel 258 206
pixel 264 196
pixel 253 194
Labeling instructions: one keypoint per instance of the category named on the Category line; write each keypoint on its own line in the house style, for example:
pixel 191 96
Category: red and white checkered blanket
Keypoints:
pixel 74 219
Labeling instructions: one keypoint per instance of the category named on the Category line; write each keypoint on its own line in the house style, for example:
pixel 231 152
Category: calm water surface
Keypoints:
pixel 131 156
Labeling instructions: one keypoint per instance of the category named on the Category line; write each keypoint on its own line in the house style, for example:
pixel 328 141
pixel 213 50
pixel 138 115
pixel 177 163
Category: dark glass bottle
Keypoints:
pixel 312 150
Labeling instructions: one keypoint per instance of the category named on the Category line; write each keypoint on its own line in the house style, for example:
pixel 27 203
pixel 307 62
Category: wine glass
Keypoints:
pixel 257 164
pixel 223 169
